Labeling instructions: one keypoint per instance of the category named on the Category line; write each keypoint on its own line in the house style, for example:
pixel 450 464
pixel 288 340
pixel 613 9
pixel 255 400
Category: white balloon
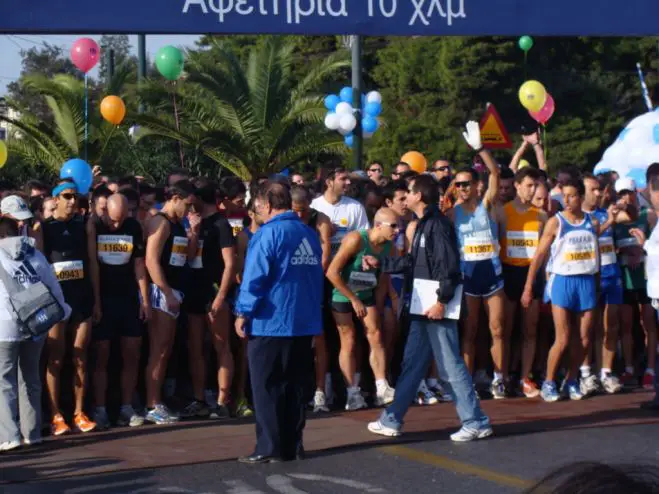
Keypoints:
pixel 348 123
pixel 332 121
pixel 344 108
pixel 344 132
pixel 374 97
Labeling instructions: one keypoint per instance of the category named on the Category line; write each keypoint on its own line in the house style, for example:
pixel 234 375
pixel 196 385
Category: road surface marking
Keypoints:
pixel 361 486
pixel 457 466
pixel 240 487
pixel 283 485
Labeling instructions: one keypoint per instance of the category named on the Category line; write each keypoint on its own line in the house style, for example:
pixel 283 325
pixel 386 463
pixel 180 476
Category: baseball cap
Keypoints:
pixel 625 184
pixel 15 207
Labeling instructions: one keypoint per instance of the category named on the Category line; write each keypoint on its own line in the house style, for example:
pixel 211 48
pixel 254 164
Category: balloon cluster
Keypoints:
pixel 535 98
pixel 636 148
pixel 341 114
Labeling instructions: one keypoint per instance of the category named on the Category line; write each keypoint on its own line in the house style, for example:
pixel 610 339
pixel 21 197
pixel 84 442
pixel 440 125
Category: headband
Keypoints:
pixel 64 186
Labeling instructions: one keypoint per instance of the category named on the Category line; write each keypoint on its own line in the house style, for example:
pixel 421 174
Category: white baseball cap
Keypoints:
pixel 15 207
pixel 625 184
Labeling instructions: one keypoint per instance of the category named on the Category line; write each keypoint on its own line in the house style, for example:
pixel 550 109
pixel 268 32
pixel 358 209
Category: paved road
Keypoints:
pixel 424 461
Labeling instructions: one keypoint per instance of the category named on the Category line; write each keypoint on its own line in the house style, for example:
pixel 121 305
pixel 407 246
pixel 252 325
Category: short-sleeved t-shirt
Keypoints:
pixel 346 216
pixel 215 234
pixel 116 251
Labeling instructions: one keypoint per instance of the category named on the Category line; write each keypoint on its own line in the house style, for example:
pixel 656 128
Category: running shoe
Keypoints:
pixel 589 385
pixel 498 389
pixel 481 379
pixel 129 417
pixel 549 392
pixel 9 445
pixel 32 442
pixel 81 423
pixel 440 393
pixel 58 426
pixel 424 396
pixel 648 381
pixel 195 409
pixel 161 415
pixel 243 409
pixel 572 389
pixel 530 388
pixel 386 425
pixel 467 434
pixel 102 420
pixel 319 402
pixel 628 380
pixel 611 384
pixel 219 412
pixel 355 401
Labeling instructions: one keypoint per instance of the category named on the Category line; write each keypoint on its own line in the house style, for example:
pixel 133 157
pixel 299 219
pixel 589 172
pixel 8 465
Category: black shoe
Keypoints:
pixel 651 405
pixel 255 459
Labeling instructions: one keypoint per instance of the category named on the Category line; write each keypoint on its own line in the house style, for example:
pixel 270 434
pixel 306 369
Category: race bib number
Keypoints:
pixel 114 249
pixel 236 225
pixel 478 249
pixel 69 270
pixel 627 242
pixel 607 251
pixel 179 251
pixel 197 262
pixel 360 281
pixel 579 256
pixel 521 245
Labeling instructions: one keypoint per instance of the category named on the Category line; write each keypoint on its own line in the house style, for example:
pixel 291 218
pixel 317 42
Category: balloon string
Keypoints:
pixel 178 127
pixel 107 141
pixel 544 140
pixel 131 146
pixel 525 59
pixel 86 117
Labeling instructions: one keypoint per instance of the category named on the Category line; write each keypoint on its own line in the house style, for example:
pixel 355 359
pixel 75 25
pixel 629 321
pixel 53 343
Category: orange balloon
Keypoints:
pixel 416 160
pixel 113 109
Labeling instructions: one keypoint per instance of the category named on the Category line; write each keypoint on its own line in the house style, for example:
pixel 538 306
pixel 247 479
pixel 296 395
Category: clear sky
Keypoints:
pixel 10 46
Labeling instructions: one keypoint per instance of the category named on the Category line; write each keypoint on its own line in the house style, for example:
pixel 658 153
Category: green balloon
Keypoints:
pixel 169 61
pixel 526 43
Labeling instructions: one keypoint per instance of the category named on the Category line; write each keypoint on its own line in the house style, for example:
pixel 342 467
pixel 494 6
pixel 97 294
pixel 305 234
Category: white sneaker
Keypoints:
pixel 378 427
pixel 356 402
pixel 129 417
pixel 9 445
pixel 32 442
pixel 424 396
pixel 440 393
pixel 466 434
pixel 611 384
pixel 319 402
pixel 384 396
pixel 589 385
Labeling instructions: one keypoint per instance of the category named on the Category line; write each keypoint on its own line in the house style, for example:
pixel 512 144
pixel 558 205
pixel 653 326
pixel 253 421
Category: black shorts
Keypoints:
pixel 514 279
pixel 121 317
pixel 346 307
pixel 199 298
pixel 636 297
pixel 81 300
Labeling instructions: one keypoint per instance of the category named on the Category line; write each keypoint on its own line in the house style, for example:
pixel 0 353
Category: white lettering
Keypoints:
pixel 218 6
pixel 435 4
pixel 370 8
pixel 392 11
pixel 289 11
pixel 336 13
pixel 262 10
pixel 418 5
pixel 455 15
pixel 240 8
pixel 201 3
pixel 300 12
pixel 321 12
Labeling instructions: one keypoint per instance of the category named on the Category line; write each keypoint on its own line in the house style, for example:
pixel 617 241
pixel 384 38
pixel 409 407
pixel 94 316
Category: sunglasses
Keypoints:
pixel 68 196
pixel 463 185
pixel 375 170
pixel 441 169
pixel 395 226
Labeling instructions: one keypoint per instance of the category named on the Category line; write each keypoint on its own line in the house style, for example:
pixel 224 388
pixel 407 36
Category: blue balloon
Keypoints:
pixel 349 140
pixel 81 173
pixel 285 172
pixel 655 133
pixel 331 101
pixel 369 124
pixel 363 100
pixel 346 94
pixel 373 109
pixel 638 176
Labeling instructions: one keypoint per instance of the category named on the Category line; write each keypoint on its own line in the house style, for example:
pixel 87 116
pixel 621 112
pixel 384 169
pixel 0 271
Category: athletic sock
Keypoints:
pixel 585 371
pixel 498 376
pixel 629 370
pixel 432 382
pixel 649 371
pixel 604 373
pixel 357 378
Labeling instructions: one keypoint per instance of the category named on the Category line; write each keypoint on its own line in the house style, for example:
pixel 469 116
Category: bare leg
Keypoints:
pixel 81 337
pixel 377 355
pixel 56 344
pixel 220 327
pixel 320 364
pixel 470 329
pixel 196 331
pixel 611 319
pixel 494 308
pixel 162 328
pixel 650 329
pixel 100 380
pixel 562 325
pixel 529 337
pixel 130 352
pixel 347 359
pixel 580 347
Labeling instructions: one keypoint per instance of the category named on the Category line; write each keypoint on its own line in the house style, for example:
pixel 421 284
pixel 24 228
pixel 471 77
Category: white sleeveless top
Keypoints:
pixel 575 250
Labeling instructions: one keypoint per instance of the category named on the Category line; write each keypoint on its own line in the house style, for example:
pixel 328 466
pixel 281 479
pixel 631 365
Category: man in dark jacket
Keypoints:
pixel 279 310
pixel 433 260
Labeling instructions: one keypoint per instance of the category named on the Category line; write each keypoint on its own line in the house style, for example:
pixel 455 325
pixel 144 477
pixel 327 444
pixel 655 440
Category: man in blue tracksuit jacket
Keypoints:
pixel 279 310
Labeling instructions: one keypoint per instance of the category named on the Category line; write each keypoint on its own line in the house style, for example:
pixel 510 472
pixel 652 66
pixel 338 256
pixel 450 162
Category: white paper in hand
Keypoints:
pixel 424 296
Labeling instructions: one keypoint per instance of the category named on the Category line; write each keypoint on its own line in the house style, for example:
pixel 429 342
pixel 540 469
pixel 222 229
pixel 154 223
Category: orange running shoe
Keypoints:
pixel 530 389
pixel 82 423
pixel 59 426
pixel 648 381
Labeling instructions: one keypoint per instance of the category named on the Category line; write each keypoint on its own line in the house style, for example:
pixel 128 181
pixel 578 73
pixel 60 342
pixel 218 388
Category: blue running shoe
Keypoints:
pixel 549 391
pixel 160 415
pixel 573 389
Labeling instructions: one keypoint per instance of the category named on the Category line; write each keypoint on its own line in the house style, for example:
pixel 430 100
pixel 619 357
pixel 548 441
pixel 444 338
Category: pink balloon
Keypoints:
pixel 85 54
pixel 545 113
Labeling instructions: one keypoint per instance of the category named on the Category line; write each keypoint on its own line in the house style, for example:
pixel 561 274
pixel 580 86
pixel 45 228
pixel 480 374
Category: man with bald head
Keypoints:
pixel 362 293
pixel 125 304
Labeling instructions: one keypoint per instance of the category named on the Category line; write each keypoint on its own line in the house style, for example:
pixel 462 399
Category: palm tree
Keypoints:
pixel 252 119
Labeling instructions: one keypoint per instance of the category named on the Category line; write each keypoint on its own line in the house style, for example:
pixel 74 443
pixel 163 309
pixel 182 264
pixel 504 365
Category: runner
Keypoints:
pixel 520 234
pixel 125 303
pixel 71 250
pixel 320 223
pixel 213 275
pixel 233 203
pixel 574 263
pixel 355 291
pixel 167 250
pixel 477 231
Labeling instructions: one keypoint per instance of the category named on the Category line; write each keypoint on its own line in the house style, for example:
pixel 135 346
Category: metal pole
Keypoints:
pixel 109 62
pixel 141 64
pixel 357 145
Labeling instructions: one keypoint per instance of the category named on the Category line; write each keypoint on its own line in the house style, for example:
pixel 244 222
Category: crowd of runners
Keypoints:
pixel 554 277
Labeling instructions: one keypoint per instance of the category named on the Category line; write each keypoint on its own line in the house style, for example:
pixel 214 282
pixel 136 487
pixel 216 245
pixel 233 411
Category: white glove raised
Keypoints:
pixel 473 135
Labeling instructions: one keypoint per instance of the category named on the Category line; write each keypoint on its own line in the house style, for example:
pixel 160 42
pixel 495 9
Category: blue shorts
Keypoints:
pixel 483 279
pixel 611 290
pixel 397 283
pixel 575 293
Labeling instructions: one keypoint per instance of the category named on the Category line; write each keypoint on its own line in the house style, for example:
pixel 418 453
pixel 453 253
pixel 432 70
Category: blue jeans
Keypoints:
pixel 438 339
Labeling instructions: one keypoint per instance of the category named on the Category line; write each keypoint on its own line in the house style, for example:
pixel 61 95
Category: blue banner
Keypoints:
pixel 366 17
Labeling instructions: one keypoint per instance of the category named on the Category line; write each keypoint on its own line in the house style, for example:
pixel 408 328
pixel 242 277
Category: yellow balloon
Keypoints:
pixel 113 109
pixel 3 153
pixel 532 95
pixel 416 160
pixel 523 164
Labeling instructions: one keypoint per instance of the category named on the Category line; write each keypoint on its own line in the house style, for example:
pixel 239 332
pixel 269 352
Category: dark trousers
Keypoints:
pixel 278 367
